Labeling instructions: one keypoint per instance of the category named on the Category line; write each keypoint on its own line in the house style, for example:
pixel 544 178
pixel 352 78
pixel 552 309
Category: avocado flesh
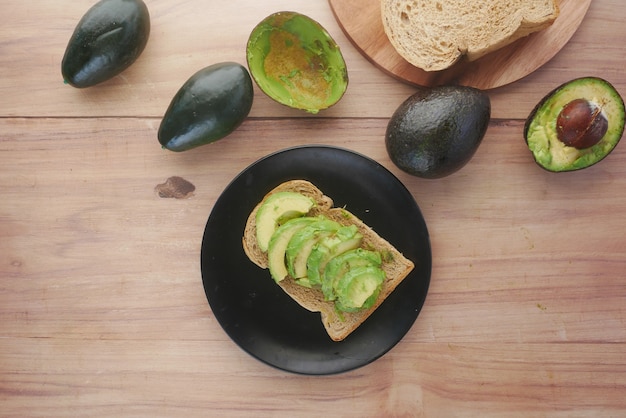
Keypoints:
pixel 540 130
pixel 278 206
pixel 338 266
pixel 359 288
pixel 347 238
pixel 302 243
pixel 278 246
pixel 294 60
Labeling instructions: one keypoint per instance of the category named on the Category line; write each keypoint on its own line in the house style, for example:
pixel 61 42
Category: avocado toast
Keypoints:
pixel 375 279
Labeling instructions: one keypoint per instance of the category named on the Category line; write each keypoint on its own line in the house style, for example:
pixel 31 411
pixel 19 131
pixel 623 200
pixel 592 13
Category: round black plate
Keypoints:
pixel 261 318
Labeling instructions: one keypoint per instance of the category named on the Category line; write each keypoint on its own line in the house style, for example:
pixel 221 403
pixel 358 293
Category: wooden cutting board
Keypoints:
pixel 362 24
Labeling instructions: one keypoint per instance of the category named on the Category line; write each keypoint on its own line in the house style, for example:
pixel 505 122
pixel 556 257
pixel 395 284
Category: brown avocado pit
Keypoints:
pixel 581 124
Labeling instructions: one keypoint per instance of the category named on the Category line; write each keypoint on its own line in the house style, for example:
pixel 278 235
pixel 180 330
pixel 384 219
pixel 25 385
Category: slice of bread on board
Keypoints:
pixel 435 34
pixel 338 325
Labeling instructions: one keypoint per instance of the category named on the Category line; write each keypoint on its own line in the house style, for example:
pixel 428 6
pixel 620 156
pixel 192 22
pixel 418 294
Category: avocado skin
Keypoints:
pixel 436 131
pixel 616 124
pixel 209 106
pixel 106 41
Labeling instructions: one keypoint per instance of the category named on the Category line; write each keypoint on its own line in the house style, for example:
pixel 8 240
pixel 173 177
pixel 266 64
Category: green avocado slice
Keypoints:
pixel 278 245
pixel 359 288
pixel 278 207
pixel 345 239
pixel 338 266
pixel 302 243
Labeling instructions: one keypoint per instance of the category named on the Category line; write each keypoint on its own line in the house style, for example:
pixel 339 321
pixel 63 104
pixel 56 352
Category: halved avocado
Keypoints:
pixel 576 125
pixel 296 62
pixel 359 288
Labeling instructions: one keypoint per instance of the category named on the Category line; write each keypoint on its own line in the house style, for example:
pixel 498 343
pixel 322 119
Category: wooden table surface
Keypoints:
pixel 102 308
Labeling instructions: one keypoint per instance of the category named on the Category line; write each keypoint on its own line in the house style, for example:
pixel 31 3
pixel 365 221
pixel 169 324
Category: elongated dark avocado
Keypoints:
pixel 106 41
pixel 210 105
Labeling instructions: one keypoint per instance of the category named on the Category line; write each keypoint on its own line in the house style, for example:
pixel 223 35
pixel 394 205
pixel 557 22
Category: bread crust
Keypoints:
pixel 338 325
pixel 433 36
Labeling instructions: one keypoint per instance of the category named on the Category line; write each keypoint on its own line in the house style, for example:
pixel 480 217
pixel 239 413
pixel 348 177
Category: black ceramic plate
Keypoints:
pixel 256 313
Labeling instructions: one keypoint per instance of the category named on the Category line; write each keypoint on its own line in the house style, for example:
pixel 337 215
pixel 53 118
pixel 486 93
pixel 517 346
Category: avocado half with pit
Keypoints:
pixel 296 62
pixel 576 125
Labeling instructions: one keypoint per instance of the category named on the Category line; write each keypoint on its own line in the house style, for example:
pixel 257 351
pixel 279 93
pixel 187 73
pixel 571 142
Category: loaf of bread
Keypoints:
pixel 338 325
pixel 435 34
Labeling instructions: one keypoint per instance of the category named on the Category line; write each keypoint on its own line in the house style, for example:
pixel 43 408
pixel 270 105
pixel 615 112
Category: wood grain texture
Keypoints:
pixel 102 310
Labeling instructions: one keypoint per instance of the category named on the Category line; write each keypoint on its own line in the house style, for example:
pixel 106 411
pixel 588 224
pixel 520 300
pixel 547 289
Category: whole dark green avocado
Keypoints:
pixel 106 41
pixel 436 131
pixel 210 105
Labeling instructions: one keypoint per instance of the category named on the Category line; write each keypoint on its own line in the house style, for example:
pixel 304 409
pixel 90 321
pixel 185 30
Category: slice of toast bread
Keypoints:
pixel 435 35
pixel 338 325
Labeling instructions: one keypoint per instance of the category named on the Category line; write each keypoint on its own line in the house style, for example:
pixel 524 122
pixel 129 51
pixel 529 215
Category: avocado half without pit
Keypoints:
pixel 576 125
pixel 294 61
